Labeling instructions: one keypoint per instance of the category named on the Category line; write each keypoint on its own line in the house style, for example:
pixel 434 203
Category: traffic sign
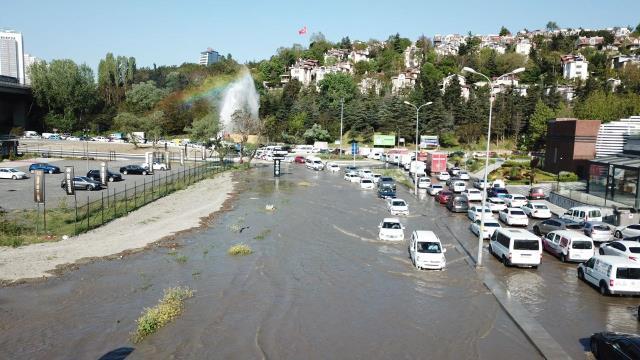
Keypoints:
pixel 354 148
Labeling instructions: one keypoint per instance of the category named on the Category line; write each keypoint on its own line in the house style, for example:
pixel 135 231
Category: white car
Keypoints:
pixel 463 175
pixel 569 245
pixel 100 139
pixel 316 164
pixel 627 249
pixel 333 167
pixel 479 184
pixel 490 226
pixel 444 176
pixel 424 182
pixel 72 138
pixel 536 209
pixel 365 173
pixel 398 207
pixel 496 204
pixel 434 189
pixel 391 230
pixel 367 184
pixel 514 200
pixel 11 173
pixel 623 232
pixel 475 212
pixel 458 186
pixel 156 166
pixel 473 194
pixel 376 177
pixel 426 252
pixel 513 216
pixel 352 177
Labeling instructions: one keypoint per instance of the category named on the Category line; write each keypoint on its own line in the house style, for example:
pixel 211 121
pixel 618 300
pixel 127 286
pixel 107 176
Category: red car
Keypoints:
pixel 299 160
pixel 537 193
pixel 443 196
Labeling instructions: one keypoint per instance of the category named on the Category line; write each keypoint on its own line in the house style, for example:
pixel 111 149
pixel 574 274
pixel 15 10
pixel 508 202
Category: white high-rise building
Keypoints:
pixel 12 55
pixel 28 61
pixel 209 57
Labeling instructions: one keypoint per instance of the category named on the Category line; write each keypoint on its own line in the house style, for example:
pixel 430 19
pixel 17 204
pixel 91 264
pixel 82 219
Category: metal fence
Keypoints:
pixel 86 214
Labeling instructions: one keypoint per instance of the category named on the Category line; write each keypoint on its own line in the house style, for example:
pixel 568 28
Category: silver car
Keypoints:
pixel 547 226
pixel 598 231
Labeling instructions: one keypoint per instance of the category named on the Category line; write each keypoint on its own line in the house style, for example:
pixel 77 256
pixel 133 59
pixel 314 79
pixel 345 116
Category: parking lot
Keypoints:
pixel 18 194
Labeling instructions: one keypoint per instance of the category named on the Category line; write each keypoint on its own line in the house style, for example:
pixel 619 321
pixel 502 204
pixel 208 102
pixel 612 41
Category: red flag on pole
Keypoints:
pixel 303 30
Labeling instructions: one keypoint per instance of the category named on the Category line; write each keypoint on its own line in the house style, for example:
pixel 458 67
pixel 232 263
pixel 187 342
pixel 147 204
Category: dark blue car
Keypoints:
pixel 386 192
pixel 48 168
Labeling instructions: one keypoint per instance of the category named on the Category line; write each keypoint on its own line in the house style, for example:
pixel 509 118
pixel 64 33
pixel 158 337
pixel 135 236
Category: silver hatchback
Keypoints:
pixel 598 231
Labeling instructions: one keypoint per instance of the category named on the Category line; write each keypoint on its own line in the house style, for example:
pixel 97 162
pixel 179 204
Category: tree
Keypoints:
pixel 538 124
pixel 345 43
pixel 334 88
pixel 637 30
pixel 504 31
pixel 244 124
pixel 128 123
pixel 144 96
pixel 153 126
pixel 205 128
pixel 316 133
pixel 552 26
pixel 115 76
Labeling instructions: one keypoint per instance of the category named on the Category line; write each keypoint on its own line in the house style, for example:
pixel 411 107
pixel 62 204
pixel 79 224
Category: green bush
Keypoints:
pixel 566 176
pixel 169 307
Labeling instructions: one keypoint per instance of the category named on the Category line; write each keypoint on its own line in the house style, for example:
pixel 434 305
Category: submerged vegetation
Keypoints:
pixel 167 309
pixel 240 250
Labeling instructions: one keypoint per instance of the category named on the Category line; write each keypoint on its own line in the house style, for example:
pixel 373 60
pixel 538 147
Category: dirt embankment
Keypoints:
pixel 163 218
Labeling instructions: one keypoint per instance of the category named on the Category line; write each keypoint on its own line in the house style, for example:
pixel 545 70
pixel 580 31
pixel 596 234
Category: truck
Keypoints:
pixel 417 167
pixel 436 162
pixel 138 135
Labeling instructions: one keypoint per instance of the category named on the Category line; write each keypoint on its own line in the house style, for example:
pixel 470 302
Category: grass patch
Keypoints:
pixel 181 259
pixel 397 175
pixel 240 250
pixel 263 234
pixel 167 309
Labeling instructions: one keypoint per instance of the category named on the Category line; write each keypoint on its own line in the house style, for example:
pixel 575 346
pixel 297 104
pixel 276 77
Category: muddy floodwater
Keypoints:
pixel 319 285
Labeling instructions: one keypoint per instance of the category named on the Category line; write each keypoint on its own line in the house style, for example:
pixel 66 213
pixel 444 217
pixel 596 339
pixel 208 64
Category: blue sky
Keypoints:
pixel 172 32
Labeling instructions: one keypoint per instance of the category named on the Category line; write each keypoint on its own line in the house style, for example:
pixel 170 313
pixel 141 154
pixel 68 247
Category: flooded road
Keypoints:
pixel 318 285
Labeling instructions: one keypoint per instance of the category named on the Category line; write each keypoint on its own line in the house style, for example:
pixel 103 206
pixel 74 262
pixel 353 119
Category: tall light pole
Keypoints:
pixel 486 157
pixel 341 115
pixel 415 173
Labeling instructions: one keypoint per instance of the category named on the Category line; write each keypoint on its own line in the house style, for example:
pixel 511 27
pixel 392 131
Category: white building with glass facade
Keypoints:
pixel 12 55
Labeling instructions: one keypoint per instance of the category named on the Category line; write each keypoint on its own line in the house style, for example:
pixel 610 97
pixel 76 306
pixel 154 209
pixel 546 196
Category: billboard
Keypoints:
pixel 384 140
pixel 429 141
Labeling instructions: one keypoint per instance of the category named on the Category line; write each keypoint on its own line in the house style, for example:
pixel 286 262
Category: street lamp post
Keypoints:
pixel 415 173
pixel 486 157
pixel 341 115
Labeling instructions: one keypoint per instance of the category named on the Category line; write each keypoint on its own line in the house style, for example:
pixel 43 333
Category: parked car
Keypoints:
pixel 536 209
pixel 156 166
pixel 350 168
pixel 451 180
pixel 100 139
pixel 434 189
pixel 463 175
pixel 611 275
pixel 458 203
pixel 454 171
pixel 111 176
pixel 376 177
pixel 444 176
pixel 475 212
pixel 513 216
pixel 490 226
pixel 443 196
pixel 583 213
pixel 626 249
pixel 390 229
pixel 424 182
pixel 496 204
pixel 425 251
pixel 398 207
pixel 367 184
pixel 133 170
pixel 537 193
pixel 314 164
pixel 516 247
pixel 386 192
pixel 299 160
pixel 627 231
pixel 72 138
pixel 569 245
pixel 48 168
pixel 546 226
pixel 11 173
pixel 598 231
pixel 82 183
pixel 365 173
pixel 613 345
pixel 496 192
pixel 473 194
pixel 514 200
pixel 352 177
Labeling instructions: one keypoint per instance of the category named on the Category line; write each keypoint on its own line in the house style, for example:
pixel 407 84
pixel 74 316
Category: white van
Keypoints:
pixel 425 251
pixel 30 135
pixel 611 274
pixel 516 247
pixel 583 214
pixel 569 245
